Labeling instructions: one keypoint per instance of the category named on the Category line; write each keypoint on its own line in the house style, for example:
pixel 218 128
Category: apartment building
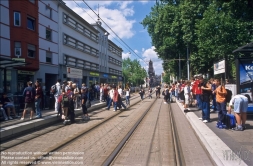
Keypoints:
pixel 50 41
pixel 85 53
pixel 19 42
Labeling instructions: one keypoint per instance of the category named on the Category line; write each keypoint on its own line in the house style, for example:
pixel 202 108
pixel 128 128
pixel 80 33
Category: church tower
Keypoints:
pixel 151 71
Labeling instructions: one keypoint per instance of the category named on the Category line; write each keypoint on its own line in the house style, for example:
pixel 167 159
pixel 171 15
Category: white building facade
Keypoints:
pixel 85 55
pixel 48 43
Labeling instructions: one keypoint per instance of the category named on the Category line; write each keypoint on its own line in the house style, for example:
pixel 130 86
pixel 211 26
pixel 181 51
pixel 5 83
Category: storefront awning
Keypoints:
pixel 247 48
pixel 10 63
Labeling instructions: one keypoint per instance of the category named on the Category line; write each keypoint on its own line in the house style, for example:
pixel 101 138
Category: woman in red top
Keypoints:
pixel 115 97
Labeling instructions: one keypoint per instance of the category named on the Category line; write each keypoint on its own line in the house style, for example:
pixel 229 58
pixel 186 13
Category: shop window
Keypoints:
pixel 48 34
pixel 31 51
pixel 48 12
pixel 48 57
pixel 31 23
pixel 17 49
pixel 17 19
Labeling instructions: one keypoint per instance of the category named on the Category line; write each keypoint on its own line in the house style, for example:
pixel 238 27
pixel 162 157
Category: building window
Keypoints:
pixel 17 49
pixel 48 34
pixel 17 19
pixel 31 51
pixel 31 23
pixel 32 1
pixel 48 12
pixel 48 57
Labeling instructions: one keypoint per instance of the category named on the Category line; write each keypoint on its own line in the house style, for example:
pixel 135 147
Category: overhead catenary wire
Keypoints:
pixel 115 33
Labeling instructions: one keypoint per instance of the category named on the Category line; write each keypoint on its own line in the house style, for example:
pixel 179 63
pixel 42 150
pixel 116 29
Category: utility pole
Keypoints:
pixel 179 67
pixel 188 63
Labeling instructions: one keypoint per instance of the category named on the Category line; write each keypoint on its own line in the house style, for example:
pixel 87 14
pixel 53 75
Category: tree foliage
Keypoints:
pixel 133 72
pixel 210 29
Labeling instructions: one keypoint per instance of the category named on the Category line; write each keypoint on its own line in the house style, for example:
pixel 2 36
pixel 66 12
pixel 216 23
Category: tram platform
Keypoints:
pixel 14 127
pixel 226 147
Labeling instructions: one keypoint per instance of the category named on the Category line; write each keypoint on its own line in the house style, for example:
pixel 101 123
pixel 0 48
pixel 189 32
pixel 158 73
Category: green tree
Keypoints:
pixel 210 29
pixel 133 72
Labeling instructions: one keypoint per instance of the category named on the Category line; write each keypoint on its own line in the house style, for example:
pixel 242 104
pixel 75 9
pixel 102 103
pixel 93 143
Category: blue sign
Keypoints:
pixel 105 75
pixel 246 79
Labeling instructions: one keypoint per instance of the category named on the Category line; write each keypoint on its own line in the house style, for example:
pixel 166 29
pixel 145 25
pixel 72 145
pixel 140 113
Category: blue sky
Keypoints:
pixel 124 19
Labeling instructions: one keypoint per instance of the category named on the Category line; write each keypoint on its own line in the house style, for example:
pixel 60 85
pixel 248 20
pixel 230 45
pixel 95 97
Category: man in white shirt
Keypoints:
pixel 57 94
pixel 120 91
pixel 111 94
pixel 187 93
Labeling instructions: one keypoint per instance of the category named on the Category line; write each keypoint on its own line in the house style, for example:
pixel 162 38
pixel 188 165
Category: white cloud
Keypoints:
pixel 116 18
pixel 150 54
pixel 126 55
pixel 136 51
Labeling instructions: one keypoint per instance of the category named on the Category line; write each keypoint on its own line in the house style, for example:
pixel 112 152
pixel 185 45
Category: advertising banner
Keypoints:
pixel 74 73
pixel 245 79
pixel 219 67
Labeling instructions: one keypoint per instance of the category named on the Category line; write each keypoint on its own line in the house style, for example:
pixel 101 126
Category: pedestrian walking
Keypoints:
pixel 141 93
pixel 101 93
pixel 84 97
pixel 110 98
pixel 127 91
pixel 150 93
pixel 57 94
pixel 64 100
pixel 158 91
pixel 29 94
pixel 38 98
pixel 77 95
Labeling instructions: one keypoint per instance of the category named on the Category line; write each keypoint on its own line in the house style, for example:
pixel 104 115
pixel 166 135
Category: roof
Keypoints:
pixel 6 62
pixel 247 48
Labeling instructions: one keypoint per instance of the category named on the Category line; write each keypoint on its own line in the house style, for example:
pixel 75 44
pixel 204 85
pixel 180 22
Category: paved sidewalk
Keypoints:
pixel 226 147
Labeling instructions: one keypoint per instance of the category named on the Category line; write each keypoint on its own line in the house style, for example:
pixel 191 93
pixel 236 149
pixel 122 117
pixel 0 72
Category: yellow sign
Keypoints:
pixel 113 76
pixel 94 74
pixel 26 72
pixel 19 59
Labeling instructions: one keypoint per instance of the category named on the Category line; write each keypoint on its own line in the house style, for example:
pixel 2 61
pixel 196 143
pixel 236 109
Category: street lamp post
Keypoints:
pixel 188 63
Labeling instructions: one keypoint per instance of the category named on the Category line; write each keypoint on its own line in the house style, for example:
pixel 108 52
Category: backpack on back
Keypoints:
pixel 65 101
pixel 29 96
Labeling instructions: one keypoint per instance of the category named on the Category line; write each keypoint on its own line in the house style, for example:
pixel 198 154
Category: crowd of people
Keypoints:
pixel 207 95
pixel 67 97
pixel 202 94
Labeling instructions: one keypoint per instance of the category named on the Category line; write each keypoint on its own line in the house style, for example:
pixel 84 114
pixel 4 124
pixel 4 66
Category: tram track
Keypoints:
pixel 10 142
pixel 119 157
pixel 108 136
pixel 73 137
